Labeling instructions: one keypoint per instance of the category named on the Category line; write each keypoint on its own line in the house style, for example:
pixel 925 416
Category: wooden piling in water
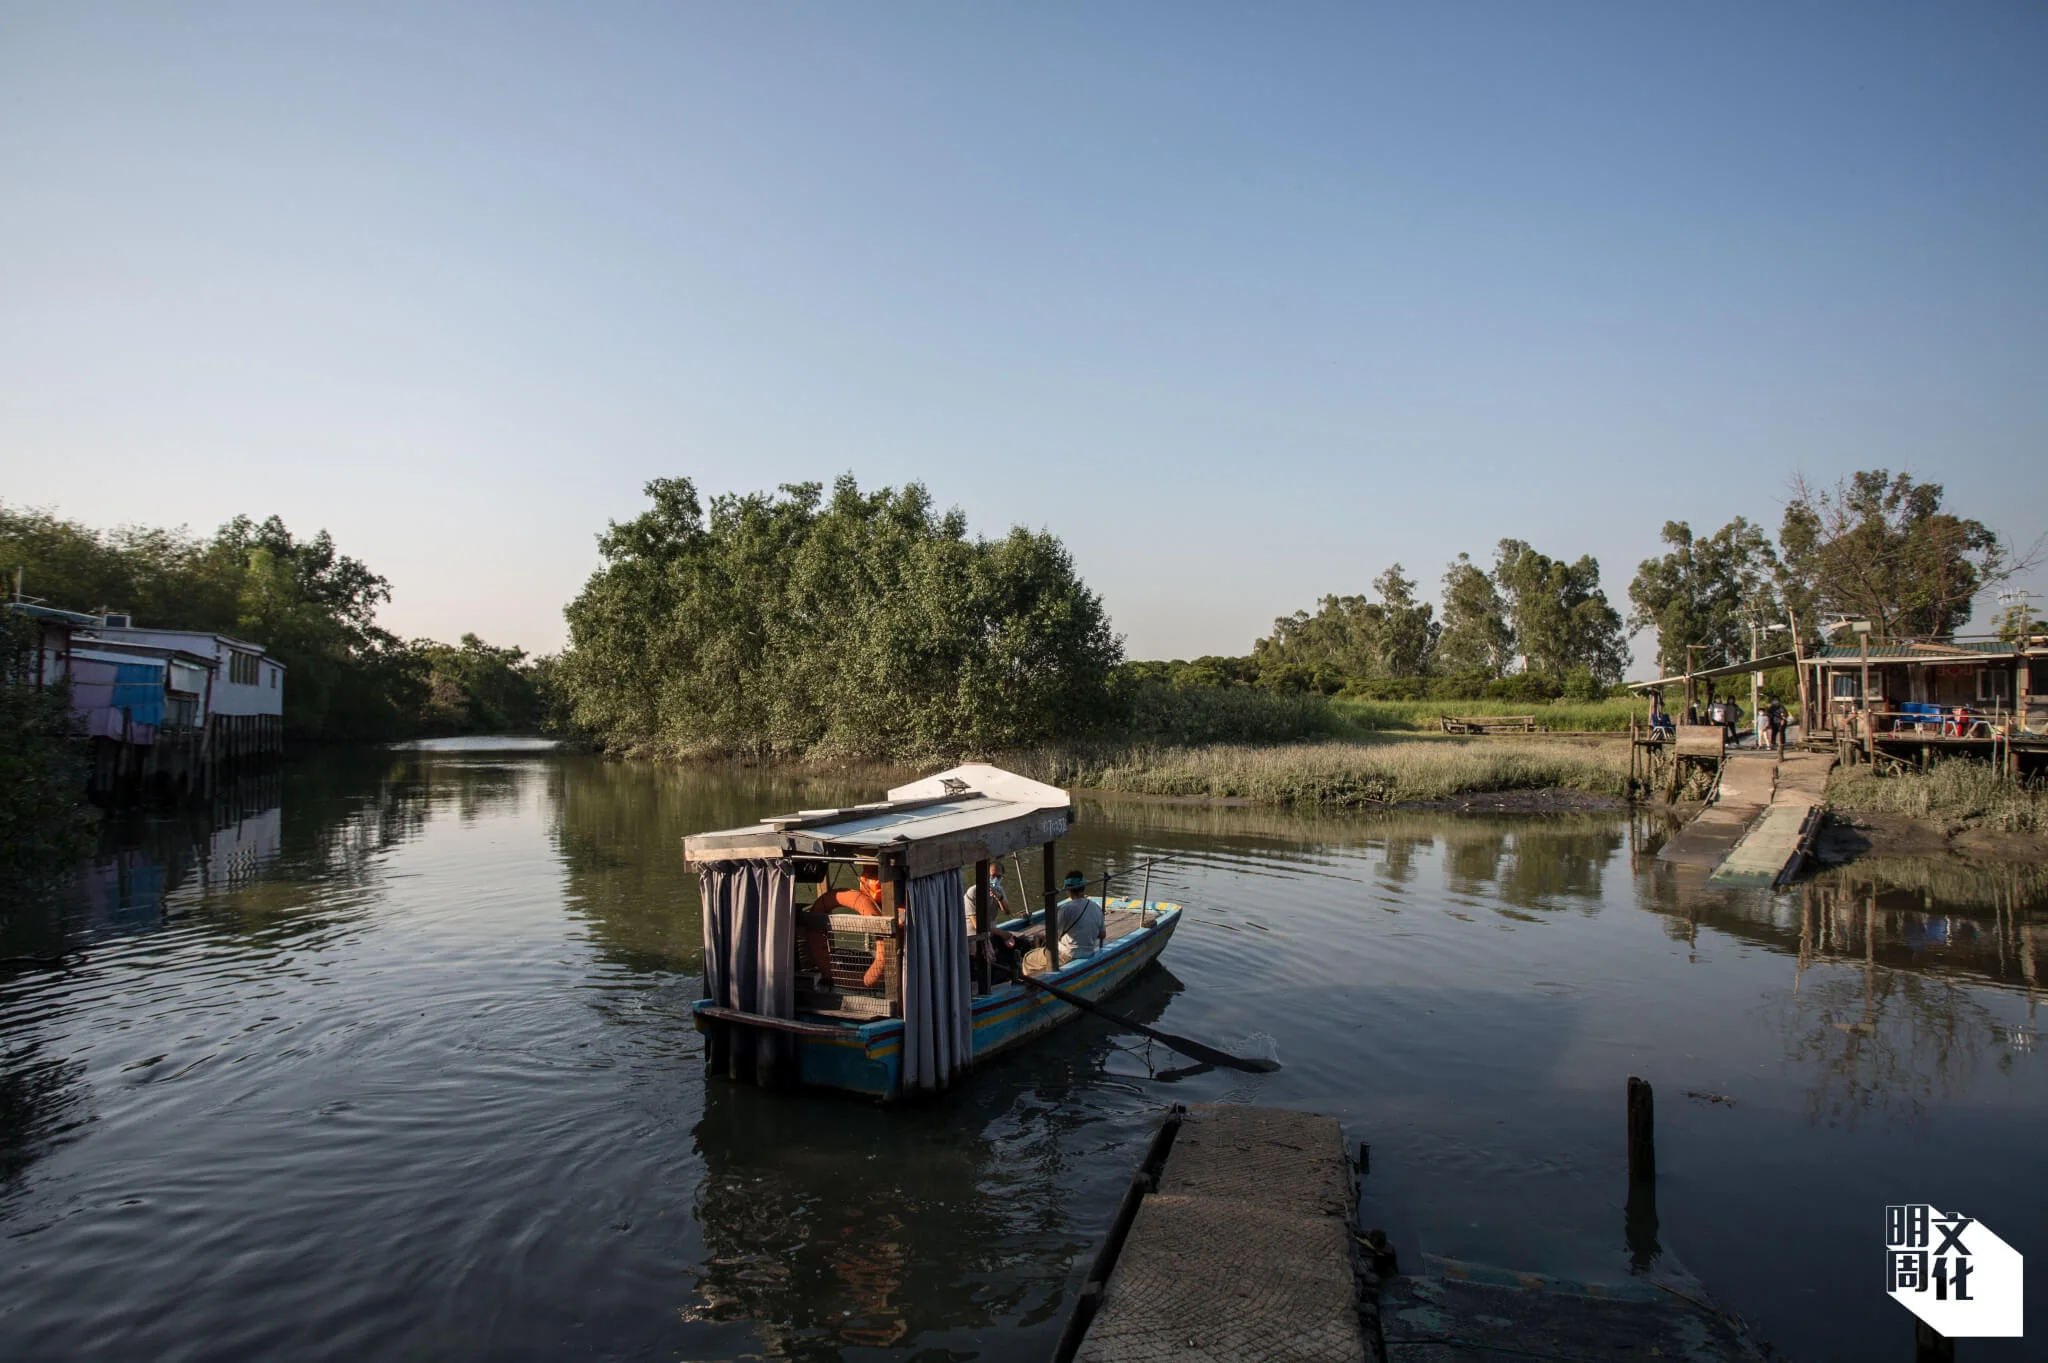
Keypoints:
pixel 1642 1132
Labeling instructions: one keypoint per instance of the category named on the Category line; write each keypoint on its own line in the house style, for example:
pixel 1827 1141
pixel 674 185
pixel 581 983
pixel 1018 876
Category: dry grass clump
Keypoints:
pixel 1959 793
pixel 1343 775
pixel 1422 716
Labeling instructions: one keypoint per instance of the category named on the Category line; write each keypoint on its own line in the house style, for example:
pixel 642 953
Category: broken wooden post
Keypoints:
pixel 1639 1215
pixel 1642 1132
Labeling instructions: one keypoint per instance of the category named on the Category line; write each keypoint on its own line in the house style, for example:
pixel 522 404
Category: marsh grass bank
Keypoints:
pixel 1957 795
pixel 1422 716
pixel 1381 772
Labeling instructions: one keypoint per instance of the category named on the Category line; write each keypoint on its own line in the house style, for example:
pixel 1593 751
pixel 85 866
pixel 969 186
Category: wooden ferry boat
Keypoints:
pixel 900 995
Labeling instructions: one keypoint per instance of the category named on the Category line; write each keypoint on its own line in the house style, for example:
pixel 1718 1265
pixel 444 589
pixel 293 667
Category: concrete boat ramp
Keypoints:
pixel 1761 822
pixel 1237 1241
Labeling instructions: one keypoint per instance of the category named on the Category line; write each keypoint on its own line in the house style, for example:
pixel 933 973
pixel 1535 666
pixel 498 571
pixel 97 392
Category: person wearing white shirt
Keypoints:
pixel 998 902
pixel 1080 926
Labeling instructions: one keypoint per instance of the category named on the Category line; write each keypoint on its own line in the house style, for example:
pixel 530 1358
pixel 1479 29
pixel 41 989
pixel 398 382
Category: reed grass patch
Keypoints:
pixel 1341 775
pixel 1959 792
pixel 1422 716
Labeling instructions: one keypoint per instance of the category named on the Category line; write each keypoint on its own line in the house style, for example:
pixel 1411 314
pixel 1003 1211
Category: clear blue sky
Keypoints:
pixel 1245 302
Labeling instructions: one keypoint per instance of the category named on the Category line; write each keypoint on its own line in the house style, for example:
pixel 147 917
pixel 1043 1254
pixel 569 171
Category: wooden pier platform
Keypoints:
pixel 1761 822
pixel 1237 1240
pixel 1242 1249
pixel 1747 779
pixel 1778 841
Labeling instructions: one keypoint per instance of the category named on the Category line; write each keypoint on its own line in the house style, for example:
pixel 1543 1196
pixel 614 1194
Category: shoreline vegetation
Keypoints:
pixel 1956 796
pixel 1387 772
pixel 840 631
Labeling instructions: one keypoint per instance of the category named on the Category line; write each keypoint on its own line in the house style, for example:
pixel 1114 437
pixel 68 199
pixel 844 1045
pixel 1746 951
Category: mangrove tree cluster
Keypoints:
pixel 1540 621
pixel 856 624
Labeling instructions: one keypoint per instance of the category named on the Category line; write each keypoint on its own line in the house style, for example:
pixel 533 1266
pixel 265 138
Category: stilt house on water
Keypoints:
pixel 245 712
pixel 1909 700
pixel 1918 700
pixel 165 711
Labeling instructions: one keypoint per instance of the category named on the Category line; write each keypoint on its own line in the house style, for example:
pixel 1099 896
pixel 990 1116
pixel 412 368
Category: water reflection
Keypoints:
pixel 618 828
pixel 1883 1005
pixel 835 1225
pixel 337 1028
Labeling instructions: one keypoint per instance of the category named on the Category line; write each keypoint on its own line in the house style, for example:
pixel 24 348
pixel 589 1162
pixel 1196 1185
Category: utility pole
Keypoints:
pixel 1862 628
pixel 1756 681
pixel 1690 700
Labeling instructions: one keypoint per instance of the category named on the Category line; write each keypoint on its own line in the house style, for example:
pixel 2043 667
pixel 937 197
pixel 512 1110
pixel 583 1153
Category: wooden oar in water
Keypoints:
pixel 1194 1050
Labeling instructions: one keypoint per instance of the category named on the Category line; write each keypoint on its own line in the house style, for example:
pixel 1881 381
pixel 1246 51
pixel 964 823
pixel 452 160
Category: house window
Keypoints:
pixel 1992 683
pixel 242 668
pixel 273 679
pixel 1845 686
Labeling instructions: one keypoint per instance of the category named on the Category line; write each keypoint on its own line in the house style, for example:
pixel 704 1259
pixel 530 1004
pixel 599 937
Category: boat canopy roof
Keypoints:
pixel 970 813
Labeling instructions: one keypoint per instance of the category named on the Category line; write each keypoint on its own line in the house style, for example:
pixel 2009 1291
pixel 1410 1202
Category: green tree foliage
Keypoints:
pixel 1878 547
pixel 1477 640
pixel 1706 591
pixel 475 688
pixel 310 606
pixel 866 624
pixel 1350 638
pixel 1560 617
pixel 2018 622
pixel 42 779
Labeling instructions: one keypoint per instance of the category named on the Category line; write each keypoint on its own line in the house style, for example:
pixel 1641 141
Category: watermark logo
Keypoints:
pixel 1953 1273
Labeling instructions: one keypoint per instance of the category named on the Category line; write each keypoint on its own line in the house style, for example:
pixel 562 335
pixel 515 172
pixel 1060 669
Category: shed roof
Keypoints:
pixel 94 647
pixel 1968 650
pixel 37 611
pixel 966 814
pixel 117 635
pixel 94 655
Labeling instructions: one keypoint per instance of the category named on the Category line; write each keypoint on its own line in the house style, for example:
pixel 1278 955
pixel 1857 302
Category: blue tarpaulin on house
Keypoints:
pixel 139 688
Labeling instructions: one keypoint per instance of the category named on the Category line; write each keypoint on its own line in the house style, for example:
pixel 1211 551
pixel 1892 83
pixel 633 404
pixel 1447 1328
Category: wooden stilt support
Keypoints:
pixel 1639 1215
pixel 1642 1131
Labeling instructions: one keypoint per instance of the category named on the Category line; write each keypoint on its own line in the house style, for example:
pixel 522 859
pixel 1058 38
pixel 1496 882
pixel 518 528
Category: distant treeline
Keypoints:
pixel 310 606
pixel 870 624
pixel 1877 547
pixel 42 776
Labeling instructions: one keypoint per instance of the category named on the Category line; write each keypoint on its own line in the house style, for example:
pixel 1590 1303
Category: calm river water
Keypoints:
pixel 395 1061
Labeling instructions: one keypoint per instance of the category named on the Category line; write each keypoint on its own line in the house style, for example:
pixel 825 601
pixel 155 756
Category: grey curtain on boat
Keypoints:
pixel 938 994
pixel 750 962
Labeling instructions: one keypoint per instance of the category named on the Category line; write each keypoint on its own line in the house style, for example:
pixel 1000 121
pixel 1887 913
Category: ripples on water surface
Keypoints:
pixel 398 1063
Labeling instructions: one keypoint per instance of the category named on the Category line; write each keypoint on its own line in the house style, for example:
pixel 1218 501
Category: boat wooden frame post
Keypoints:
pixel 890 871
pixel 981 927
pixel 1052 909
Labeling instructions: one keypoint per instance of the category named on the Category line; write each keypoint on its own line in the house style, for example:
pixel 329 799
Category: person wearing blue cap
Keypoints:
pixel 1080 920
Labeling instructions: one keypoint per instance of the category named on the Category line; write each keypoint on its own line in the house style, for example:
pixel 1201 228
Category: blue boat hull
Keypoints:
pixel 867 1058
